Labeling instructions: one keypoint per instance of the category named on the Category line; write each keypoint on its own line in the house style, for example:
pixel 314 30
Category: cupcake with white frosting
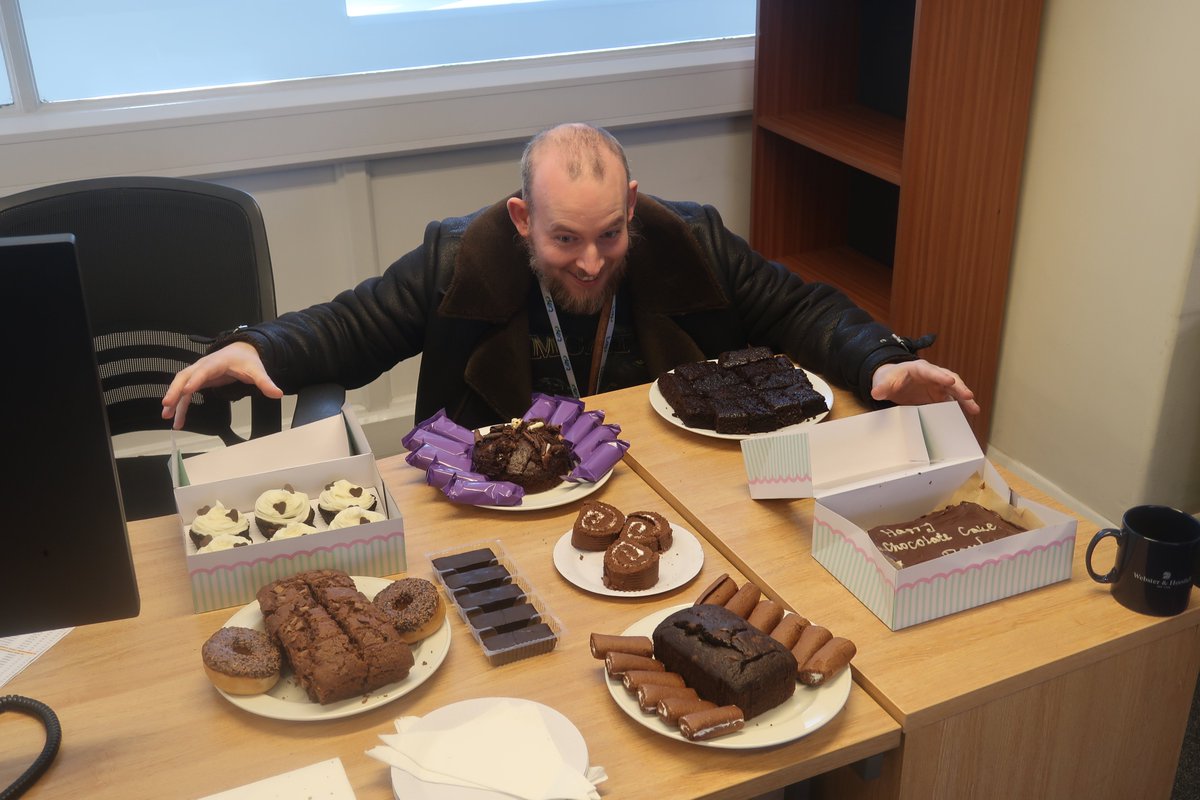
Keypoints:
pixel 350 517
pixel 224 541
pixel 276 508
pixel 341 495
pixel 217 520
pixel 292 530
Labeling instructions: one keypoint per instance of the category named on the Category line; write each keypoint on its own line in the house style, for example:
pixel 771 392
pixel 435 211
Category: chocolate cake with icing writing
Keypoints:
pixel 943 532
pixel 743 391
pixel 530 453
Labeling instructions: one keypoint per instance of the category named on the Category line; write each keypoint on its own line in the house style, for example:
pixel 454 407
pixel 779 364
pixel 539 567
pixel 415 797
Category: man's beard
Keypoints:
pixel 564 299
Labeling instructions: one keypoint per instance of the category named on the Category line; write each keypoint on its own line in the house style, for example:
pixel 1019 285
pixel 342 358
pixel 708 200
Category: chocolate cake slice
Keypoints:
pixel 725 660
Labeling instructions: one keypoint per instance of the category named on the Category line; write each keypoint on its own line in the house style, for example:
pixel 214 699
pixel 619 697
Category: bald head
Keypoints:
pixel 581 151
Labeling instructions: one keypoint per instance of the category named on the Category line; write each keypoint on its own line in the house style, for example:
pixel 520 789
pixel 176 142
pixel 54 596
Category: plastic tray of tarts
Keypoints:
pixel 507 620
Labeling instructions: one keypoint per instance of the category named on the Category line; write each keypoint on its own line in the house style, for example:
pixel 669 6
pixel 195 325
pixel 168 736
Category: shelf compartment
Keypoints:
pixel 866 281
pixel 855 135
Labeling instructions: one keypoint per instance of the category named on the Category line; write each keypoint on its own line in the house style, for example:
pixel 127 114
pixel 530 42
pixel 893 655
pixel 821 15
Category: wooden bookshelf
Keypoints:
pixel 888 142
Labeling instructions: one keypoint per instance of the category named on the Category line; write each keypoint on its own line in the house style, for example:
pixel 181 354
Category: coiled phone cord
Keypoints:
pixel 40 764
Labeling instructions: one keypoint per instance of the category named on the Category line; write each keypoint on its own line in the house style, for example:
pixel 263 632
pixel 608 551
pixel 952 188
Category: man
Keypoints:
pixel 578 284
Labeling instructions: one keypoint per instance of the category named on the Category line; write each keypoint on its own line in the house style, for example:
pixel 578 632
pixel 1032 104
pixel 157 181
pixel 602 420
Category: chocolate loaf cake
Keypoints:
pixel 725 660
pixel 742 392
pixel 338 643
pixel 529 453
pixel 940 533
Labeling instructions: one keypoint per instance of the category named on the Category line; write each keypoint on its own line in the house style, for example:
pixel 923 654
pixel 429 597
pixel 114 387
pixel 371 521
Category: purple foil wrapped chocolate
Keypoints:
pixel 584 424
pixel 598 462
pixel 599 435
pixel 483 493
pixel 568 409
pixel 543 406
pixel 425 455
pixel 442 425
pixel 438 475
pixel 444 443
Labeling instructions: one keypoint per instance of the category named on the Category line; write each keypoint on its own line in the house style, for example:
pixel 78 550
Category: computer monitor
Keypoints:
pixel 64 548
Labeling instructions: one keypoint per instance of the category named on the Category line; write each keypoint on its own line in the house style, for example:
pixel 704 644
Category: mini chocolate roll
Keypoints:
pixel 651 694
pixel 788 631
pixel 670 709
pixel 605 643
pixel 831 659
pixel 812 639
pixel 720 592
pixel 636 678
pixel 700 726
pixel 745 600
pixel 765 616
pixel 620 663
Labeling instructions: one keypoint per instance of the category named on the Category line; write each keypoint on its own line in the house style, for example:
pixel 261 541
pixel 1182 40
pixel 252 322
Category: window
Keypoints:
pixel 6 96
pixel 88 49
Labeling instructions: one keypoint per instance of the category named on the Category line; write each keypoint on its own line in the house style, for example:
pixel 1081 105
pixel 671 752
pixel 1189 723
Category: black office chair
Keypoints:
pixel 167 265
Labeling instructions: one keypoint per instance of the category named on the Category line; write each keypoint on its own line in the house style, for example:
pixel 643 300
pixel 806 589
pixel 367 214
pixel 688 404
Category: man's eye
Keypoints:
pixel 613 234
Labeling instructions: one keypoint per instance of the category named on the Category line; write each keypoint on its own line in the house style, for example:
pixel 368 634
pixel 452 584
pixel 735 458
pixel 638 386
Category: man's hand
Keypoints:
pixel 917 382
pixel 237 362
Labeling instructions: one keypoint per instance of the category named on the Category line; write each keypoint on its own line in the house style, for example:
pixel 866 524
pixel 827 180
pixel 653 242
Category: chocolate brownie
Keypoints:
pixel 724 659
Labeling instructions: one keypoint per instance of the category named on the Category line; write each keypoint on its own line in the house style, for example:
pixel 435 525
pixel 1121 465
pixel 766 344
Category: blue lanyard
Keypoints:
pixel 552 312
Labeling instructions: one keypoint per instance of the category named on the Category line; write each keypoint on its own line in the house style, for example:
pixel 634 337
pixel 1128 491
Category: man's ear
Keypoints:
pixel 518 212
pixel 631 201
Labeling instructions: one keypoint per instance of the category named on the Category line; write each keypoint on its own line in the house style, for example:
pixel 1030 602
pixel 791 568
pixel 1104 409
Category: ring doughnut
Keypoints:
pixel 415 607
pixel 241 660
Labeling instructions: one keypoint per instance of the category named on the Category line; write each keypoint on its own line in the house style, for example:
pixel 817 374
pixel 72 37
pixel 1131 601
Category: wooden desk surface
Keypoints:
pixel 920 674
pixel 141 720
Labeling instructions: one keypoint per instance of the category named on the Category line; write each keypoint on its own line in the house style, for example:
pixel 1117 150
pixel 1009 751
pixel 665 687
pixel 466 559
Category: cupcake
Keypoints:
pixel 292 530
pixel 354 516
pixel 224 541
pixel 217 520
pixel 341 495
pixel 276 508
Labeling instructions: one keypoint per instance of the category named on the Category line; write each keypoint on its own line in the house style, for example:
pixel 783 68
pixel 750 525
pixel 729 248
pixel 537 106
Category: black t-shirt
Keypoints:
pixel 624 367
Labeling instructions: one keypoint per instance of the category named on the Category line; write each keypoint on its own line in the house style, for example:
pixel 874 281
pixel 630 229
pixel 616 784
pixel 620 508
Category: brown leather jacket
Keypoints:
pixel 460 299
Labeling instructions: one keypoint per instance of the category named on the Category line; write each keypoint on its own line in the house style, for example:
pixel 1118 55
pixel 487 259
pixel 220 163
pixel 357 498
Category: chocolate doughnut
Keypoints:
pixel 415 607
pixel 241 660
pixel 597 526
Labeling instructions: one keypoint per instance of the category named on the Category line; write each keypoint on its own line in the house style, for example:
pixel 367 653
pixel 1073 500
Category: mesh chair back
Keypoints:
pixel 167 264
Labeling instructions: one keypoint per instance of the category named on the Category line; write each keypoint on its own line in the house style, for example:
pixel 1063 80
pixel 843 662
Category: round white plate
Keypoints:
pixel 808 709
pixel 288 701
pixel 565 492
pixel 677 566
pixel 565 735
pixel 660 404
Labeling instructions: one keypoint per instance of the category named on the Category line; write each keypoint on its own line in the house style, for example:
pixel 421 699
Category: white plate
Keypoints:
pixel 565 735
pixel 808 709
pixel 565 492
pixel 677 566
pixel 288 701
pixel 660 404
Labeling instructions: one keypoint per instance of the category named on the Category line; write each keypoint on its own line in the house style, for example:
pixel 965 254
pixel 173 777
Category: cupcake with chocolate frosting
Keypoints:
pixel 341 495
pixel 276 508
pixel 217 520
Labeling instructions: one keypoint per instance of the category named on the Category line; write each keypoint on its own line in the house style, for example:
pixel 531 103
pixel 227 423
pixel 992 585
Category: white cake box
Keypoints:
pixel 308 458
pixel 897 464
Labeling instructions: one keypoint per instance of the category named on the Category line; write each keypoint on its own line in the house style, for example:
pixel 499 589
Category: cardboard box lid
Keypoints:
pixel 858 451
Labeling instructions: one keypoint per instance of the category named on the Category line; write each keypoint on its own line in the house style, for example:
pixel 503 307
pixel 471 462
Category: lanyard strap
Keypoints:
pixel 604 332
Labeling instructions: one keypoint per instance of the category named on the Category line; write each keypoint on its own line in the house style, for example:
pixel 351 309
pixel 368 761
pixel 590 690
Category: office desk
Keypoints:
pixel 141 720
pixel 1059 692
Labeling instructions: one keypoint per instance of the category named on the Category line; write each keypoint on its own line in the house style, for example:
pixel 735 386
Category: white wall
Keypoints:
pixel 1100 367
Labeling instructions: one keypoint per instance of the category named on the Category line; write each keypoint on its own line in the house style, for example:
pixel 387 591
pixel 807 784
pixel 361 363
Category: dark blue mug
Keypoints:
pixel 1158 554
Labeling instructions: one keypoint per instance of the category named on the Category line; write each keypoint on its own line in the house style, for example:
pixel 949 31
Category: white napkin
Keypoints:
pixel 506 749
pixel 325 779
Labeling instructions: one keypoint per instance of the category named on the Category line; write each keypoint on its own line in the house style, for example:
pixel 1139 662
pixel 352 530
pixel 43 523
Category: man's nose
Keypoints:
pixel 590 261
